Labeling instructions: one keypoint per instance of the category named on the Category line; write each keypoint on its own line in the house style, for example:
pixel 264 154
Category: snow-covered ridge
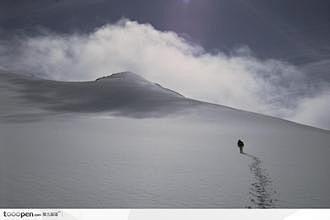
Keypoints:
pixel 123 93
pixel 128 76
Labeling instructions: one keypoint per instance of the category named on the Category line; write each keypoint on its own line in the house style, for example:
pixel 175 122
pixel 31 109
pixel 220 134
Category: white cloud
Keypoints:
pixel 314 111
pixel 241 80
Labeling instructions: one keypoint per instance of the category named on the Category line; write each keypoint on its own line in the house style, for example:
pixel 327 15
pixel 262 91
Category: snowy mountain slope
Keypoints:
pixel 125 92
pixel 121 141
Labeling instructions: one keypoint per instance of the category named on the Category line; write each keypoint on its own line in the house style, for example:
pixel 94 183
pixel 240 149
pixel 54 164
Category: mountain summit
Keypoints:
pixel 127 76
pixel 124 93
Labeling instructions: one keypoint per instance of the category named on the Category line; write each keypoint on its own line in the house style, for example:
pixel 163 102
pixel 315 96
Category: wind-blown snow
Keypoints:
pixel 124 142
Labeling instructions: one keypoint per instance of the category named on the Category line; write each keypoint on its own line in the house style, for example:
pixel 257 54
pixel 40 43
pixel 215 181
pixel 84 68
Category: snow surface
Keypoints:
pixel 124 142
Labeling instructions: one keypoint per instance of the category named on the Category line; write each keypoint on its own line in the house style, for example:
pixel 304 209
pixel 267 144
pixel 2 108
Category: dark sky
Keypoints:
pixel 294 30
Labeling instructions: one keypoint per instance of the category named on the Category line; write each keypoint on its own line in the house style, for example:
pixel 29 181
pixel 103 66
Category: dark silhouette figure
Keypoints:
pixel 240 144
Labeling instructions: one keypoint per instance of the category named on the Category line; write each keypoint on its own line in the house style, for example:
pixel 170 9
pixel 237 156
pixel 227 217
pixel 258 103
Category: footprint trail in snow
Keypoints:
pixel 261 192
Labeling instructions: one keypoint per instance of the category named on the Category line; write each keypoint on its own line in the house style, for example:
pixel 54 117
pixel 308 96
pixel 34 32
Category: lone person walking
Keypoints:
pixel 240 144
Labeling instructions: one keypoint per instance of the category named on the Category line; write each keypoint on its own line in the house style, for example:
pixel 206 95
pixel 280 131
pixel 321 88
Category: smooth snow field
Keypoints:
pixel 124 142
